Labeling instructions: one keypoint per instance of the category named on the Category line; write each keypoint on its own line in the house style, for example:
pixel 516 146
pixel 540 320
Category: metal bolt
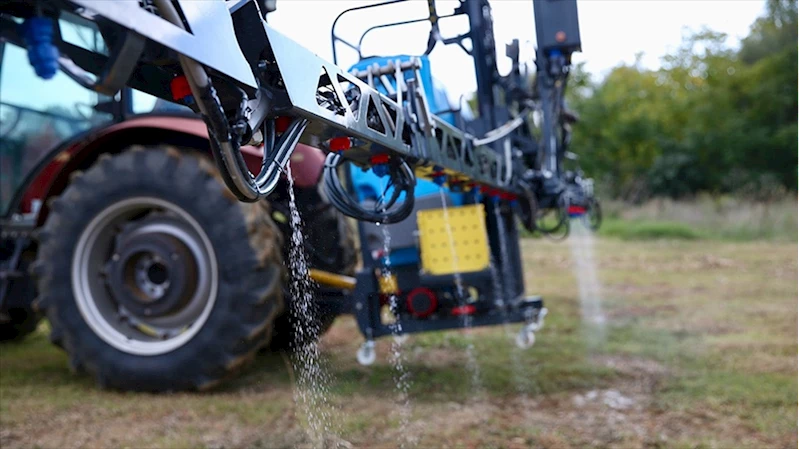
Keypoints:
pixel 358 306
pixel 115 257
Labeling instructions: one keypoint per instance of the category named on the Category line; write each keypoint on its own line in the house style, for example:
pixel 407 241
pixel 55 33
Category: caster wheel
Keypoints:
pixel 525 338
pixel 401 339
pixel 366 354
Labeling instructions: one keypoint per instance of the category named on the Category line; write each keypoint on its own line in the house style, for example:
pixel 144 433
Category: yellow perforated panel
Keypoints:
pixel 467 224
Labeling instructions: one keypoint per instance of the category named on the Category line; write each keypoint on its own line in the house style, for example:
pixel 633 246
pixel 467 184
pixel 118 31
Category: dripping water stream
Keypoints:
pixel 313 383
pixel 401 374
pixel 471 359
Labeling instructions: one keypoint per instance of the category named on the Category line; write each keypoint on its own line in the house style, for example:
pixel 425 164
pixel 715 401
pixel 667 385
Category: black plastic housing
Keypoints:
pixel 557 25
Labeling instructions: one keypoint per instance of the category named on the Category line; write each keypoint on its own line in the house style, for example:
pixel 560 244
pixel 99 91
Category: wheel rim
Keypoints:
pixel 144 275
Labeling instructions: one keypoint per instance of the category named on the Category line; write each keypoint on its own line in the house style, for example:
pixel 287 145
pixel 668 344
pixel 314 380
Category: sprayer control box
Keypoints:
pixel 557 25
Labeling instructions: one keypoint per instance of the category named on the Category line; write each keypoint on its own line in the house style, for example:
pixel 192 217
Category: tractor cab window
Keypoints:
pixel 37 115
pixel 144 103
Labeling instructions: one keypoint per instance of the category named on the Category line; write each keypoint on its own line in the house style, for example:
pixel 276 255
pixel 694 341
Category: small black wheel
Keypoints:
pixel 154 277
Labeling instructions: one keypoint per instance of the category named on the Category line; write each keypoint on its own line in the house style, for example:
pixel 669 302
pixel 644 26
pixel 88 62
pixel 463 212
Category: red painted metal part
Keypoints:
pixel 282 123
pixel 180 88
pixel 379 159
pixel 464 310
pixel 306 162
pixel 340 143
pixel 507 196
pixel 422 291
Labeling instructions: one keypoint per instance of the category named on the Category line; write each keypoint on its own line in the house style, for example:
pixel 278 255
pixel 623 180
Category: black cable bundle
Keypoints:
pixel 401 177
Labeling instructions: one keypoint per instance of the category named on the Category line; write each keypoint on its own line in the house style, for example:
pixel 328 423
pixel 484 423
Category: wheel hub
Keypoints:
pixel 151 273
pixel 144 275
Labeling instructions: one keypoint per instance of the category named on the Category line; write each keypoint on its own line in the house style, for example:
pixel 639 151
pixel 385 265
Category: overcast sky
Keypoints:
pixel 612 31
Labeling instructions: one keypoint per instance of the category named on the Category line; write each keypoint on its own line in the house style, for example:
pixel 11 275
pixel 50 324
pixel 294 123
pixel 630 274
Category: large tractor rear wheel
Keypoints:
pixel 154 277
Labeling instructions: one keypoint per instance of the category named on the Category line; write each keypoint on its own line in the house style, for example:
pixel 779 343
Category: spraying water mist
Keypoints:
pixel 581 243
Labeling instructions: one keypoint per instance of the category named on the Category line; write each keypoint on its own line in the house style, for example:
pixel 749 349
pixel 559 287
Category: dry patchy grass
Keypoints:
pixel 699 351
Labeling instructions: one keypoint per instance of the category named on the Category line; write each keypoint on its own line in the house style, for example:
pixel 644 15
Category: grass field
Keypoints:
pixel 700 350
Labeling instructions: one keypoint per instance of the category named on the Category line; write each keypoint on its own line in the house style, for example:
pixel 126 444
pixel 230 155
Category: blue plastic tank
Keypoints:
pixel 367 184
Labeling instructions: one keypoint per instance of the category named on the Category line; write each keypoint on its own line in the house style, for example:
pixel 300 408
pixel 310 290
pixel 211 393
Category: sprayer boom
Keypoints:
pixel 243 75
pixel 254 85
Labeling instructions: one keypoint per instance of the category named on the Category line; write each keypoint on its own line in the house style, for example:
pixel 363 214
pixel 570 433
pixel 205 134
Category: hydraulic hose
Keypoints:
pixel 225 152
pixel 504 130
pixel 224 145
pixel 402 178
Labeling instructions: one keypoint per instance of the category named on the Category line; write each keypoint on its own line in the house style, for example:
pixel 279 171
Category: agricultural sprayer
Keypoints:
pixel 158 237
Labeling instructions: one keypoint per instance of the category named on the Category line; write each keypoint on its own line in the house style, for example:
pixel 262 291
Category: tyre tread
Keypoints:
pixel 243 326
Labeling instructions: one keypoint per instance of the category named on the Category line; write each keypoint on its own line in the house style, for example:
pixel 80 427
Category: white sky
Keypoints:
pixel 612 31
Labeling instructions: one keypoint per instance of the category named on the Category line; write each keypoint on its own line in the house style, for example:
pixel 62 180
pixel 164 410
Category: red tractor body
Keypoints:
pixel 51 175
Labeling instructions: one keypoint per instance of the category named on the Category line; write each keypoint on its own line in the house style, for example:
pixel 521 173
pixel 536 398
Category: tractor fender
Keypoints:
pixel 51 175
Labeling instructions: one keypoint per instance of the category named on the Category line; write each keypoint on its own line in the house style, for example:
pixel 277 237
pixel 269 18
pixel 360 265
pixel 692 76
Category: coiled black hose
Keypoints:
pixel 401 177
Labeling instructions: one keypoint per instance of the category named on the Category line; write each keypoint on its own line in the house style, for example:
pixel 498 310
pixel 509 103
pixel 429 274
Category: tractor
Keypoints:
pixel 119 201
pixel 145 201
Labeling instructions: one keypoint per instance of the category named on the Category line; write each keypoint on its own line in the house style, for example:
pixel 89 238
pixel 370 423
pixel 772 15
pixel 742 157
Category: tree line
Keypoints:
pixel 711 119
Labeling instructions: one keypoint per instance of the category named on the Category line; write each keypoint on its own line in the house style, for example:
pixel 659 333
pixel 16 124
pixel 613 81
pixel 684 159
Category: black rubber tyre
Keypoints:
pixel 329 244
pixel 249 272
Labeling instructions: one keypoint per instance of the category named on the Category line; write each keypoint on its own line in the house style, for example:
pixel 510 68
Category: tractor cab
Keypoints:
pixel 35 114
pixel 38 116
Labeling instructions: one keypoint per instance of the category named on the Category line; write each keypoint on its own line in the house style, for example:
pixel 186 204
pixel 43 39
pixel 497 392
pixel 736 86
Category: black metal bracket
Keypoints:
pixel 118 69
pixel 9 271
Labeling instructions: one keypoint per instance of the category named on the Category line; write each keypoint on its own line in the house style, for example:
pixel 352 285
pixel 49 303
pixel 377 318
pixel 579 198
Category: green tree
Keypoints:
pixel 711 119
